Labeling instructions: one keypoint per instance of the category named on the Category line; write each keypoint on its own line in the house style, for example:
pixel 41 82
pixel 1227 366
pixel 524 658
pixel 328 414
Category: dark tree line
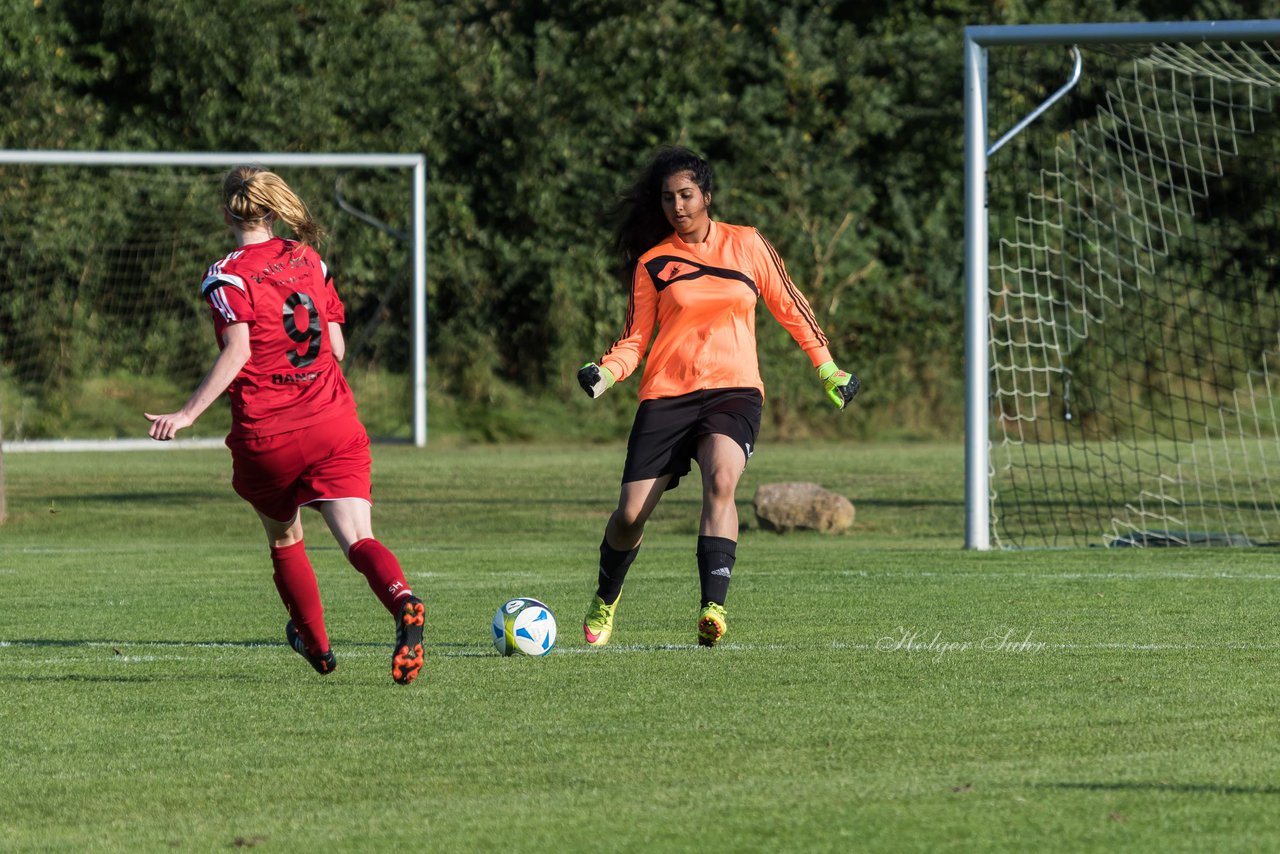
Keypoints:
pixel 835 127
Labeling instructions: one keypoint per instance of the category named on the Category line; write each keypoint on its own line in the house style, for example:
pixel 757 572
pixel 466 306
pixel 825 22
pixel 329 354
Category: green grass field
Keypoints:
pixel 883 690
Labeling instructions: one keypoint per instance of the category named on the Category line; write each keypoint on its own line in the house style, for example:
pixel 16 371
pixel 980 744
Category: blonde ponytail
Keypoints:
pixel 252 195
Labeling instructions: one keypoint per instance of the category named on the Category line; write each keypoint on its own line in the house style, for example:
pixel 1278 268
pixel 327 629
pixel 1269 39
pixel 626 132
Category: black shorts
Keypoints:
pixel 664 437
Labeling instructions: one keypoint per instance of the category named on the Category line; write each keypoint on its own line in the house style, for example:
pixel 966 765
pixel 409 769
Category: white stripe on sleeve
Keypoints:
pixel 219 301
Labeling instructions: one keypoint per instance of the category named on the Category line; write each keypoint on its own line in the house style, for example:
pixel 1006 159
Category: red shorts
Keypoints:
pixel 322 462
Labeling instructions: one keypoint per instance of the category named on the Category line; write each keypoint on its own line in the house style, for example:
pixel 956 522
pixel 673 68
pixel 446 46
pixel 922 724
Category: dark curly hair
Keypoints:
pixel 641 224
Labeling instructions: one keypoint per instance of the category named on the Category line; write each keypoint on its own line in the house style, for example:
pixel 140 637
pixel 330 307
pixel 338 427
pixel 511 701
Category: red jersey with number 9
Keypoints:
pixel 283 290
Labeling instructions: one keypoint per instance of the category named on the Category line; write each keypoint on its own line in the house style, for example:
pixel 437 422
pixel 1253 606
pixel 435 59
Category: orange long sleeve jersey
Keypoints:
pixel 702 298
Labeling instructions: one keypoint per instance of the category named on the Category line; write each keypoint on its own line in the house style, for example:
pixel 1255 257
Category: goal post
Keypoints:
pixel 1122 319
pixel 101 253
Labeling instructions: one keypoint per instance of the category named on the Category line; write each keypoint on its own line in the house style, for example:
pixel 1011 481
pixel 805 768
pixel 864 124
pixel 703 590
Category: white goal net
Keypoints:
pixel 100 266
pixel 1131 299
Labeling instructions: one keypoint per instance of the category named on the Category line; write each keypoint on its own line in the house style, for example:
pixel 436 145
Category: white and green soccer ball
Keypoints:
pixel 524 626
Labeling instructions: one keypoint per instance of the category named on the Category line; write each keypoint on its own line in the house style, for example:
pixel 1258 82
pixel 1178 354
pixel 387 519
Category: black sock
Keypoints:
pixel 715 566
pixel 613 571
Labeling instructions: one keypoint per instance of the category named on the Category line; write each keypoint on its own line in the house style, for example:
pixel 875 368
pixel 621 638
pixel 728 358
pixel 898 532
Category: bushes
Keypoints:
pixel 834 127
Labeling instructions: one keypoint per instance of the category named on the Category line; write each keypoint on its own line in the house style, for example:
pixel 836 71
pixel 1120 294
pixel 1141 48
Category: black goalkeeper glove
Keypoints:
pixel 595 379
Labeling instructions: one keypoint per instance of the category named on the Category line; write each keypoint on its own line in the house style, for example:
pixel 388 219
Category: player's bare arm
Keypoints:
pixel 336 342
pixel 235 353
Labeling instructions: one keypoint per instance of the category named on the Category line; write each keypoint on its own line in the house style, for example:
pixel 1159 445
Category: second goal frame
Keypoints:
pixel 415 163
pixel 978 148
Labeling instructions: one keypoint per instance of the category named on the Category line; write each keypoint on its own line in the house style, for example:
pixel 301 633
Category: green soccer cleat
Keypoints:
pixel 598 624
pixel 712 624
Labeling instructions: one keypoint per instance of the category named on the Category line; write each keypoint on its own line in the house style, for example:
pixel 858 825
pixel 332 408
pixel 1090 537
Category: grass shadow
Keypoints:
pixel 126 679
pixel 1161 786
pixel 116 643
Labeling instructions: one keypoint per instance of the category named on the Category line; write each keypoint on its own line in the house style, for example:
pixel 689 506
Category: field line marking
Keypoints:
pixel 1067 576
pixel 257 650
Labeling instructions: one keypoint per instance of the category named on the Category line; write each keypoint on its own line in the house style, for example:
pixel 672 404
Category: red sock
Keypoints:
pixel 296 581
pixel 381 569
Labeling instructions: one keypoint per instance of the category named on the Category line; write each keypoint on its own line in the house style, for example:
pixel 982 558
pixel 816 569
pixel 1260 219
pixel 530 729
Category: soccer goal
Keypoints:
pixel 101 259
pixel 1123 301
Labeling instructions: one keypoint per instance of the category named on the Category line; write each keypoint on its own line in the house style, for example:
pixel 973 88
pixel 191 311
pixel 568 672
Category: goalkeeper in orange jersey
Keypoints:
pixel 698 281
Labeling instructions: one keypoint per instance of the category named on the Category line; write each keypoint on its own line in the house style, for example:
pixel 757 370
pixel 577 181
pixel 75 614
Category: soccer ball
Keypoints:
pixel 524 627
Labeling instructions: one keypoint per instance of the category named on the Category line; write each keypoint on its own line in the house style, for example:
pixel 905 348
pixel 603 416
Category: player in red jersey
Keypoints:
pixel 295 438
pixel 698 281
